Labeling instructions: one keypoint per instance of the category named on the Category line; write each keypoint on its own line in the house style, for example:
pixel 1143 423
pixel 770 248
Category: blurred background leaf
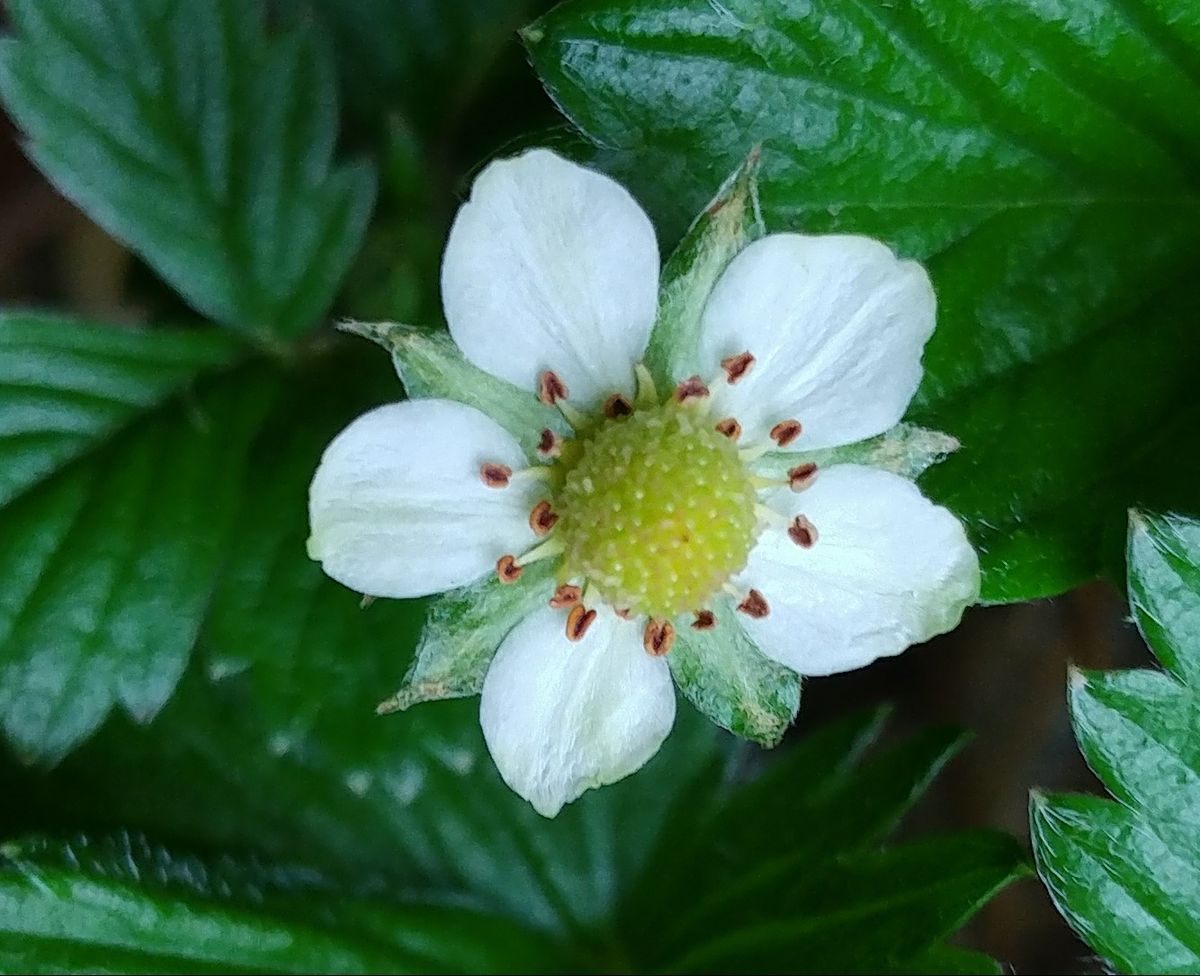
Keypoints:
pixel 120 904
pixel 1126 873
pixel 421 810
pixel 184 131
pixel 424 59
pixel 1031 153
pixel 123 456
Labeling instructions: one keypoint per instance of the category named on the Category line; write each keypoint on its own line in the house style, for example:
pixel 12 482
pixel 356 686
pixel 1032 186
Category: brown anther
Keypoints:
pixel 507 569
pixel 730 428
pixel 692 388
pixel 551 388
pixel 658 638
pixel 786 431
pixel 737 366
pixel 578 621
pixel 566 596
pixel 617 405
pixel 542 519
pixel 549 445
pixel 623 612
pixel 802 475
pixel 495 475
pixel 755 605
pixel 802 532
pixel 705 620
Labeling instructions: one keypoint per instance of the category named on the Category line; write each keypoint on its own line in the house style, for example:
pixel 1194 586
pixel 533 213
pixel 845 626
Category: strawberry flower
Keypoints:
pixel 671 481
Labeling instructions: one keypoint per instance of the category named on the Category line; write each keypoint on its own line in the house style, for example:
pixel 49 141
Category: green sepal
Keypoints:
pixel 730 222
pixel 905 450
pixel 731 681
pixel 463 629
pixel 429 364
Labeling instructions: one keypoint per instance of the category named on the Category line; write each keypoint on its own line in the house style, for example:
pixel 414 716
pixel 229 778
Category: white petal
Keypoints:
pixel 836 325
pixel 397 507
pixel 551 266
pixel 889 569
pixel 560 718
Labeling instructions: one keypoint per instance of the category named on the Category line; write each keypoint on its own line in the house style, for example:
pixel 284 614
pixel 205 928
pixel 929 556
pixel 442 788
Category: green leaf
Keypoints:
pixel 1031 153
pixel 1137 730
pixel 870 912
pixel 66 385
pixel 186 131
pixel 809 812
pixel 463 629
pixel 429 364
pixel 730 221
pixel 111 561
pixel 800 822
pixel 125 906
pixel 1123 889
pixel 905 450
pixel 1126 874
pixel 413 800
pixel 734 684
pixel 1164 589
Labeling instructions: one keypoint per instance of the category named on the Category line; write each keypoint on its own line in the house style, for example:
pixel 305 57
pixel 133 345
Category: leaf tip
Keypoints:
pixel 532 34
pixel 1141 525
pixel 415 694
pixel 389 706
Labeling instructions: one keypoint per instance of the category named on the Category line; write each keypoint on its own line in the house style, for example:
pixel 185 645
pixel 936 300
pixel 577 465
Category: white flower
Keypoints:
pixel 657 505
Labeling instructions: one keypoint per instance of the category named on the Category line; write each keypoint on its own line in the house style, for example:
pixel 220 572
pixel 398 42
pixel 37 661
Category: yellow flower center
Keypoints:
pixel 657 510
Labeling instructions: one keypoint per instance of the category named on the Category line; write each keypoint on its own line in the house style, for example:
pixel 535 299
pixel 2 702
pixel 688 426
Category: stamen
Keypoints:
pixel 578 621
pixel 623 612
pixel 617 406
pixel 802 476
pixel 647 390
pixel 495 475
pixel 551 547
pixel 802 532
pixel 730 428
pixel 748 455
pixel 542 519
pixel 553 392
pixel 551 388
pixel 565 596
pixel 737 366
pixel 786 431
pixel 692 388
pixel 658 637
pixel 705 620
pixel 550 445
pixel 755 605
pixel 535 472
pixel 508 570
pixel 576 418
pixel 770 516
